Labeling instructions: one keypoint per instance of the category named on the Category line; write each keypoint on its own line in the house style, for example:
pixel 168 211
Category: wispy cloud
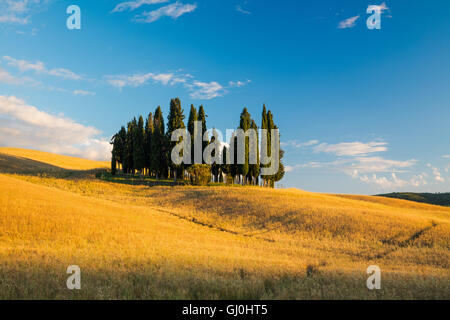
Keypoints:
pixel 393 182
pixel 6 77
pixel 356 160
pixel 173 10
pixel 446 156
pixel 198 89
pixel 83 93
pixel 26 126
pixel 39 67
pixel 348 23
pixel 241 10
pixel 133 5
pixel 298 144
pixel 352 148
pixel 19 11
pixel 139 79
pixel 436 173
pixel 239 83
pixel 382 7
pixel 206 90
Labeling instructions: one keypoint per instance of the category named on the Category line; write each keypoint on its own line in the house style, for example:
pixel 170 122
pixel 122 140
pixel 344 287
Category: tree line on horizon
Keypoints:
pixel 145 148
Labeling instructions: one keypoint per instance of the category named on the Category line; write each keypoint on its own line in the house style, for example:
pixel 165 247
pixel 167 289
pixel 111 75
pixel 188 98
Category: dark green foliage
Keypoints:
pixel 147 148
pixel 200 174
pixel 202 117
pixel 174 122
pixel 113 165
pixel 159 146
pixel 253 172
pixel 128 165
pixel 215 167
pixel 440 199
pixel 149 128
pixel 270 180
pixel 245 123
pixel 138 145
pixel 190 126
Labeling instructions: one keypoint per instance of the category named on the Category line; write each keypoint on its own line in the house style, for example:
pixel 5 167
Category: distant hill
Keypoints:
pixel 440 199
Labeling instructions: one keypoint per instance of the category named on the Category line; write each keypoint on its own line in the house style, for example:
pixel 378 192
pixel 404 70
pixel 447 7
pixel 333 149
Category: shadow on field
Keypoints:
pixel 24 166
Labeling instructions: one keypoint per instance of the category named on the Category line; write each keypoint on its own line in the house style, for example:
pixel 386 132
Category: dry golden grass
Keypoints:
pixel 214 242
pixel 46 159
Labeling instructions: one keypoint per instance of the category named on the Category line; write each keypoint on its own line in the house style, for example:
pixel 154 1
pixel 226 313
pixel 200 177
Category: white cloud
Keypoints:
pixel 83 93
pixel 446 156
pixel 198 89
pixel 6 77
pixel 133 5
pixel 382 7
pixel 239 8
pixel 239 83
pixel 39 67
pixel 139 79
pixel 173 10
pixel 393 182
pixel 312 164
pixel 436 173
pixel 19 11
pixel 206 90
pixel 352 148
pixel 297 144
pixel 372 165
pixel 348 23
pixel 26 126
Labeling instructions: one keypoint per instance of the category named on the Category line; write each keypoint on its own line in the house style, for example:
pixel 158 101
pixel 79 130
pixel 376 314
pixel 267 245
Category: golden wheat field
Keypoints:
pixel 140 242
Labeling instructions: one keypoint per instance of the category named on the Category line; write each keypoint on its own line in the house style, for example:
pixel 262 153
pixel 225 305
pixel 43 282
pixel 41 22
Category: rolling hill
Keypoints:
pixel 140 242
pixel 440 199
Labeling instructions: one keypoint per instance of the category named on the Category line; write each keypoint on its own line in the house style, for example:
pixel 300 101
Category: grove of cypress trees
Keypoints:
pixel 148 147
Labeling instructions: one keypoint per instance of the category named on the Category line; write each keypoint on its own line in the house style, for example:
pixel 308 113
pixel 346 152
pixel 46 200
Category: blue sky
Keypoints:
pixel 360 111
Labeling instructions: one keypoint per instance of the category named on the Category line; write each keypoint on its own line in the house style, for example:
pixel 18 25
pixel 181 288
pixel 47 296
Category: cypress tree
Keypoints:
pixel 280 174
pixel 202 117
pixel 215 167
pixel 122 138
pixel 113 164
pixel 254 168
pixel 158 145
pixel 138 145
pixel 174 122
pixel 244 125
pixel 264 125
pixel 128 154
pixel 149 128
pixel 191 120
pixel 225 168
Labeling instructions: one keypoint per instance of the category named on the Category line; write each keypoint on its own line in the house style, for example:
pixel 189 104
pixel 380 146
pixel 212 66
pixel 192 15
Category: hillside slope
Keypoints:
pixel 45 159
pixel 214 242
pixel 440 199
